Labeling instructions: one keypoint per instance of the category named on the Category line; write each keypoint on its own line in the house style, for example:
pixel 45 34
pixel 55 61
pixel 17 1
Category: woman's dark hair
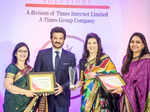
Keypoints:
pixel 19 45
pixel 58 30
pixel 85 54
pixel 129 53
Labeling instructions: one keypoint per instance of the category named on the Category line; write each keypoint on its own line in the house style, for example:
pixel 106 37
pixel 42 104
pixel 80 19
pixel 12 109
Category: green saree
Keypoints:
pixel 17 102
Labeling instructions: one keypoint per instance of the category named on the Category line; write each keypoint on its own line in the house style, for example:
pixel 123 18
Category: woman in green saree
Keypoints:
pixel 17 96
pixel 92 64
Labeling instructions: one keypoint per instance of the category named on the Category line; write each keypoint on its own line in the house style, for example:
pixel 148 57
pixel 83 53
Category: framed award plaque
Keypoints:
pixel 42 82
pixel 111 81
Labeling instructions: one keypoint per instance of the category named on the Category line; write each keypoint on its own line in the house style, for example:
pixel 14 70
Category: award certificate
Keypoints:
pixel 42 82
pixel 112 81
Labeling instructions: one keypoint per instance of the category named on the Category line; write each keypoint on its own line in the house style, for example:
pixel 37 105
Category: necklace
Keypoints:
pixel 136 57
pixel 91 58
pixel 21 67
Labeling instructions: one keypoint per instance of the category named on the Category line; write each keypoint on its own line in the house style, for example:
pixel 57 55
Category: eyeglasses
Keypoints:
pixel 22 51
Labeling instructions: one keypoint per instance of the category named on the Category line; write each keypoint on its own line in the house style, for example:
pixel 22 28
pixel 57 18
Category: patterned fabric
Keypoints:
pixel 43 104
pixel 136 96
pixel 147 105
pixel 17 102
pixel 93 100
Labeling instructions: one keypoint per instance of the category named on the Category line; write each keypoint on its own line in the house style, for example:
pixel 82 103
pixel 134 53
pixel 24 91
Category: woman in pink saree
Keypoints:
pixel 135 95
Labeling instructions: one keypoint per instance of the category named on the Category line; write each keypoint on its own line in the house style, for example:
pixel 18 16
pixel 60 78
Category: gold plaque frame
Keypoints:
pixel 111 81
pixel 42 82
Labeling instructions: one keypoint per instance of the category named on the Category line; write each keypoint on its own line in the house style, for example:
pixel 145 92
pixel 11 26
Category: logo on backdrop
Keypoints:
pixel 54 11
pixel 67 3
pixel 70 43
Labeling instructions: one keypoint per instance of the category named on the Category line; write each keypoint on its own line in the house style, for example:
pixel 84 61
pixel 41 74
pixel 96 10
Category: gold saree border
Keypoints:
pixel 18 76
pixel 91 99
pixel 125 104
pixel 31 104
pixel 10 75
pixel 147 104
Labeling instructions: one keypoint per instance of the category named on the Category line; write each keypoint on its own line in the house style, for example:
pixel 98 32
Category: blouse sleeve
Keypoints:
pixel 11 71
pixel 81 75
pixel 81 69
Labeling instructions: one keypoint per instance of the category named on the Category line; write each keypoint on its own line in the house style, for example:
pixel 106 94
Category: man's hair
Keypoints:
pixel 58 30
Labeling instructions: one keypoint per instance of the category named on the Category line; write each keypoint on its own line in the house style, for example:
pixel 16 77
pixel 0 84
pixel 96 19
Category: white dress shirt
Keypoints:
pixel 54 55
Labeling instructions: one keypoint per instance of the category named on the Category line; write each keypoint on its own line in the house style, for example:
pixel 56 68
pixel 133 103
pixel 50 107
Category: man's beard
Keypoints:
pixel 57 47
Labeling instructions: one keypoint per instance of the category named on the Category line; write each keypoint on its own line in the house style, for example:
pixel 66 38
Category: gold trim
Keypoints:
pixel 128 106
pixel 31 104
pixel 38 76
pixel 91 98
pixel 46 105
pixel 43 105
pixel 115 75
pixel 90 62
pixel 103 57
pixel 147 105
pixel 82 75
pixel 93 60
pixel 10 75
pixel 125 104
pixel 18 76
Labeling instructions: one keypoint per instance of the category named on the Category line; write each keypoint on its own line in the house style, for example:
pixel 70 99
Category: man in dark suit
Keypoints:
pixel 58 60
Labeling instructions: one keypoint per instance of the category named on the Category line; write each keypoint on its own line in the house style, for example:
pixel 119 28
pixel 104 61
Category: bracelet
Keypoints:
pixel 97 73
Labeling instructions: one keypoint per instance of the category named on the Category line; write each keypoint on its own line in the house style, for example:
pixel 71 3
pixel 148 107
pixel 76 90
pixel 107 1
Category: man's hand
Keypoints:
pixel 58 89
pixel 45 94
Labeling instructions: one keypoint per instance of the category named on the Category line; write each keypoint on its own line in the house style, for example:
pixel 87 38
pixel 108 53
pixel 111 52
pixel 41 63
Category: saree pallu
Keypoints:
pixel 43 104
pixel 136 95
pixel 17 102
pixel 93 97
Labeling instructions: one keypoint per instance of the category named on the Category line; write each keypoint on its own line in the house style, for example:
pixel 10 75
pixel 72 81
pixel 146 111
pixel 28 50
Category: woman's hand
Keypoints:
pixel 79 84
pixel 8 84
pixel 118 90
pixel 29 93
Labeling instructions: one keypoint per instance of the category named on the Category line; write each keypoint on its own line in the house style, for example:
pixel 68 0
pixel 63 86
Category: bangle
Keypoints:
pixel 97 74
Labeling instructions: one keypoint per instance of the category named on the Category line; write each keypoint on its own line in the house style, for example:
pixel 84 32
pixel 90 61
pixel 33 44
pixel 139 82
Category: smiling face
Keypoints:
pixel 22 54
pixel 136 45
pixel 92 46
pixel 57 40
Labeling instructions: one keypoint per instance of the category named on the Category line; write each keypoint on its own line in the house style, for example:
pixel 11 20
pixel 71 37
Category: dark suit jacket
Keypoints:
pixel 44 63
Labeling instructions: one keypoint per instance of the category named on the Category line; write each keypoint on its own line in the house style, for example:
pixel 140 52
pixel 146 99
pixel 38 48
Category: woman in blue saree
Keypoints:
pixel 17 96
